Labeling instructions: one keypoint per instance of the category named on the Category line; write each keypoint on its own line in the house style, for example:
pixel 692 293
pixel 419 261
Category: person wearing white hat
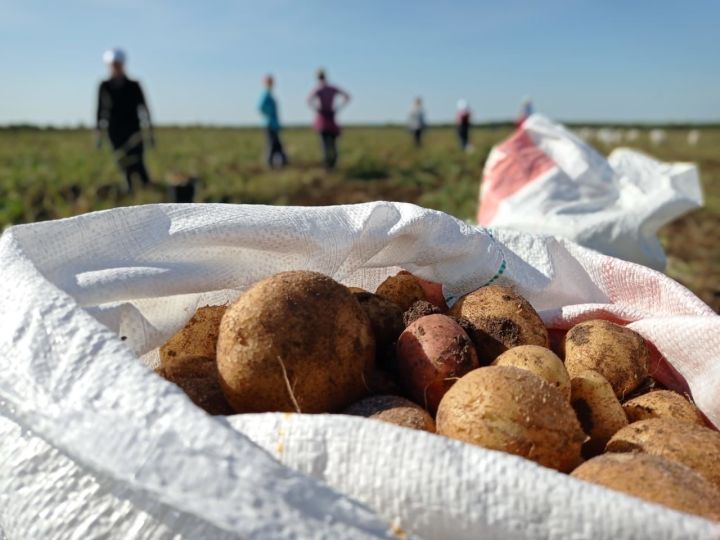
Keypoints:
pixel 416 121
pixel 463 124
pixel 121 105
pixel 114 56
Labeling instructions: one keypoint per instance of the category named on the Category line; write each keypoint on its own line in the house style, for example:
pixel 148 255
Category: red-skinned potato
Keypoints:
pixel 434 293
pixel 433 352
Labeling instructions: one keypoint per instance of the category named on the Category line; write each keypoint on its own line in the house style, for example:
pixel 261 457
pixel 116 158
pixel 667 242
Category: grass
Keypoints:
pixel 58 173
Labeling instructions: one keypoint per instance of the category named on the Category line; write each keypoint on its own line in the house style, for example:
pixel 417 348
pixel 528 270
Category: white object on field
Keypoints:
pixel 545 179
pixel 658 137
pixel 632 135
pixel 94 445
pixel 609 136
pixel 693 137
pixel 604 135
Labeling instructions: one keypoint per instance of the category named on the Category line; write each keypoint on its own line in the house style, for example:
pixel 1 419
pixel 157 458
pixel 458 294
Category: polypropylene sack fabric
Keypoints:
pixel 446 489
pixel 545 179
pixel 98 446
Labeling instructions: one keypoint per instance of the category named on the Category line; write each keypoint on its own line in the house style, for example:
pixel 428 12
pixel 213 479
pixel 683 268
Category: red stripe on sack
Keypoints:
pixel 523 162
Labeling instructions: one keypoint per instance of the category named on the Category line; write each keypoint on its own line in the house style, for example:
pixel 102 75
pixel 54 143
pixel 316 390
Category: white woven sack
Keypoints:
pixel 94 445
pixel 545 179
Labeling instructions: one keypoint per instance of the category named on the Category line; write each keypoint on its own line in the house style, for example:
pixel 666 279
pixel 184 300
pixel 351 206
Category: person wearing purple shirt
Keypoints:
pixel 323 100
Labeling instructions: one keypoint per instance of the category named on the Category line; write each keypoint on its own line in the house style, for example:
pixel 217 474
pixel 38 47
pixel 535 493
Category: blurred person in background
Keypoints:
pixel 416 121
pixel 526 110
pixel 693 137
pixel 269 109
pixel 324 101
pixel 463 124
pixel 121 104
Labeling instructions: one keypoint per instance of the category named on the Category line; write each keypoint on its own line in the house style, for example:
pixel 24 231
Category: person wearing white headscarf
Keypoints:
pixel 121 111
pixel 416 121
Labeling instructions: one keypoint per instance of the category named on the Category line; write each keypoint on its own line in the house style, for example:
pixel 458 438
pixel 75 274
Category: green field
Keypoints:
pixel 53 174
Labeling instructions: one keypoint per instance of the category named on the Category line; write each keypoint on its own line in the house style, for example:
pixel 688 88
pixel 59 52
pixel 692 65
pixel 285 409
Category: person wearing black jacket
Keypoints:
pixel 121 105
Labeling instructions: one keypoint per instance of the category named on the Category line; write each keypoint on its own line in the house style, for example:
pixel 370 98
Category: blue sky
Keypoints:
pixel 203 61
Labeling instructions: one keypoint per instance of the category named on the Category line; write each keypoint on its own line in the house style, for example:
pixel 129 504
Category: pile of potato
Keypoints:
pixel 482 372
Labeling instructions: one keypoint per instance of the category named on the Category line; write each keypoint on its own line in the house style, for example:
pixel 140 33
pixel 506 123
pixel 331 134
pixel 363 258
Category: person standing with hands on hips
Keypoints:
pixel 322 100
pixel 269 109
pixel 121 111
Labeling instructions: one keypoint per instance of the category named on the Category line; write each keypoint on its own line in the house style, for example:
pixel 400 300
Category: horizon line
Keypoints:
pixel 376 124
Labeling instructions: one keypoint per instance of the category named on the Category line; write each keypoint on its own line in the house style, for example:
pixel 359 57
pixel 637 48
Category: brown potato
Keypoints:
pixel 386 319
pixel 475 335
pixel 434 293
pixel 510 409
pixel 648 385
pixel 381 382
pixel 598 410
pixel 402 289
pixel 433 352
pixel 663 404
pixel 654 479
pixel 356 290
pixel 198 378
pixel 421 308
pixel 198 338
pixel 538 360
pixel 395 410
pixel 503 320
pixel 617 353
pixel 297 341
pixel 692 445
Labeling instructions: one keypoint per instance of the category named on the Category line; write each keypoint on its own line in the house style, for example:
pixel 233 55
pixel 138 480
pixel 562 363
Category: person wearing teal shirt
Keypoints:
pixel 269 109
